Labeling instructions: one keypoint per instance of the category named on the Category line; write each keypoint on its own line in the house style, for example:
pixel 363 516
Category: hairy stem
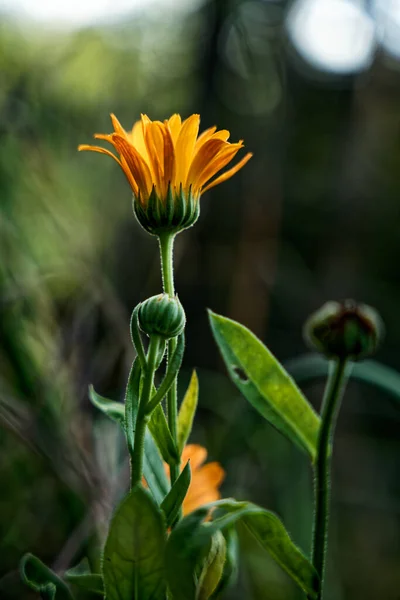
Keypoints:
pixel 330 407
pixel 167 252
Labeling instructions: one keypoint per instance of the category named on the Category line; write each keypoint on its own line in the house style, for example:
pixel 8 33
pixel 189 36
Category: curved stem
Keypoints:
pixel 330 407
pixel 142 417
pixel 167 266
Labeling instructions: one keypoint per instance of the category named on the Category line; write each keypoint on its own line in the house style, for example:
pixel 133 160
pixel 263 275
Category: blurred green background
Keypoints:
pixel 315 93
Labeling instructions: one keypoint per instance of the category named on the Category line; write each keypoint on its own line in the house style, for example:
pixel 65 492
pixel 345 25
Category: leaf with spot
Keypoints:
pixel 133 562
pixel 265 383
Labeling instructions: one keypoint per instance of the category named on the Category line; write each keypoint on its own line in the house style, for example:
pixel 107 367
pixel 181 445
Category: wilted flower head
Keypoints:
pixel 168 166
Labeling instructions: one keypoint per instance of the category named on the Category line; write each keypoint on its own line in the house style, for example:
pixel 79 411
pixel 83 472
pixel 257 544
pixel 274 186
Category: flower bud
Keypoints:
pixel 162 315
pixel 177 211
pixel 211 568
pixel 344 330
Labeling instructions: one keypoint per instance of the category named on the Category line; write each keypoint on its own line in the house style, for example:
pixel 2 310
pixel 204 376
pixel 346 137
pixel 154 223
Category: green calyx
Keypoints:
pixel 162 315
pixel 344 330
pixel 175 212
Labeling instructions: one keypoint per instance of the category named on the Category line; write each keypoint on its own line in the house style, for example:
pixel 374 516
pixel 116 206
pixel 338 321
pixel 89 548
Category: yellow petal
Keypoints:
pixel 228 173
pixel 136 164
pixel 98 149
pixel 204 136
pixel 185 147
pixel 226 154
pixel 130 177
pixel 169 156
pixel 204 156
pixel 138 140
pixel 174 125
pixel 155 150
pixel 117 125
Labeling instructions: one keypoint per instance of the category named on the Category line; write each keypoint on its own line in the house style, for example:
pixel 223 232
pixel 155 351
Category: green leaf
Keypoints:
pixel 40 578
pixel 153 470
pixel 113 410
pixel 173 500
pixel 162 436
pixel 187 411
pixel 272 535
pixel 82 577
pixel 265 383
pixel 187 549
pixel 132 399
pixel 133 563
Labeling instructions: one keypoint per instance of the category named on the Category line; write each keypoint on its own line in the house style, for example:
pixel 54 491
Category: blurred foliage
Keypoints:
pixel 314 216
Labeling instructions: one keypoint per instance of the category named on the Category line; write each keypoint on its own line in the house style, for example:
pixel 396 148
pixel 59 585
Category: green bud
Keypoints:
pixel 175 212
pixel 344 330
pixel 162 315
pixel 211 568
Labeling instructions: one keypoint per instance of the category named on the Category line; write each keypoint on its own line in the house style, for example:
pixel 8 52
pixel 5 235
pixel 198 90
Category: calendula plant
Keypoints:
pixel 172 537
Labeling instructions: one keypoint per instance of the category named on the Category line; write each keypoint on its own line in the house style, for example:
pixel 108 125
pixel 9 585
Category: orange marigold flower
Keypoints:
pixel 168 166
pixel 206 478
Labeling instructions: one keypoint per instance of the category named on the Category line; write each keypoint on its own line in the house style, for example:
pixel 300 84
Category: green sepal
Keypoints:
pixel 265 383
pixel 133 561
pixel 172 214
pixel 173 500
pixel 82 577
pixel 187 411
pixel 114 410
pixel 41 579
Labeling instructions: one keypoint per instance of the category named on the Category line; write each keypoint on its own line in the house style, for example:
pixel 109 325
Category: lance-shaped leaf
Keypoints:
pixel 173 500
pixel 162 436
pixel 41 579
pixel 132 399
pixel 82 577
pixel 265 383
pixel 153 470
pixel 133 562
pixel 113 410
pixel 187 411
pixel 270 532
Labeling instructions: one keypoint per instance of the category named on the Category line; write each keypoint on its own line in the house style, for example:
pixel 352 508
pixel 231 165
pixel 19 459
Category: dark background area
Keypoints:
pixel 314 216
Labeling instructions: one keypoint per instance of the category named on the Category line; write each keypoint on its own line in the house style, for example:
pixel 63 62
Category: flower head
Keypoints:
pixel 168 166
